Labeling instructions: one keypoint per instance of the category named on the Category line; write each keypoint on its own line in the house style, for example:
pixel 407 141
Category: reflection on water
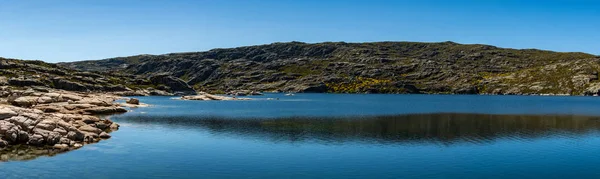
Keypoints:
pixel 445 128
pixel 442 128
pixel 25 152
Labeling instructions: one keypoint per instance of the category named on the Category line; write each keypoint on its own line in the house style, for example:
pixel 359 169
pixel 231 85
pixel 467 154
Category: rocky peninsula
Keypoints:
pixel 34 123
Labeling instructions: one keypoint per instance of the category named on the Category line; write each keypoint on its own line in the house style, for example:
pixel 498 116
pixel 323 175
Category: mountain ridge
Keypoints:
pixel 374 67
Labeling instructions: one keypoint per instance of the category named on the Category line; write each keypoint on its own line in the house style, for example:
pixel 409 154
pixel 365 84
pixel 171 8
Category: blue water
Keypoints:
pixel 341 136
pixel 375 104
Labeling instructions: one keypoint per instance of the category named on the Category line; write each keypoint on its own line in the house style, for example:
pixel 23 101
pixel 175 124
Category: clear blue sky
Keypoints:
pixel 70 30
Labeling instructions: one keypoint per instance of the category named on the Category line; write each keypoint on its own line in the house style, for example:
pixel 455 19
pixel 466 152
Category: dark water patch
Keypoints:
pixel 444 128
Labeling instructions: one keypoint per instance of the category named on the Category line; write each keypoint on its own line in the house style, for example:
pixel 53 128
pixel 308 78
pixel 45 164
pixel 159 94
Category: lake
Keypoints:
pixel 341 136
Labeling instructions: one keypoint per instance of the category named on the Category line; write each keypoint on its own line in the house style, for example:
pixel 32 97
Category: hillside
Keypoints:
pixel 380 67
pixel 38 75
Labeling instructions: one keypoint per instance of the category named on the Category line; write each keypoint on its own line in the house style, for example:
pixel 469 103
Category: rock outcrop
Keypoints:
pixel 172 84
pixel 47 123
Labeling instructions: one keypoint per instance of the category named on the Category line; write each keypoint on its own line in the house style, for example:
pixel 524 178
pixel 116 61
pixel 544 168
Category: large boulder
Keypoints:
pixel 174 84
pixel 9 131
pixel 133 101
pixel 36 140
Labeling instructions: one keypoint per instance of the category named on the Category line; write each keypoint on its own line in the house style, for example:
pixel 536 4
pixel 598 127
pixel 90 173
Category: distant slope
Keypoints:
pixel 40 75
pixel 380 67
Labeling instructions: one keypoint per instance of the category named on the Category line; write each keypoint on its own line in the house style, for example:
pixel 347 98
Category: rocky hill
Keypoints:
pixel 41 76
pixel 381 67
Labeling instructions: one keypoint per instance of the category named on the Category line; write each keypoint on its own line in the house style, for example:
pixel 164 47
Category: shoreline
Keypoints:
pixel 45 123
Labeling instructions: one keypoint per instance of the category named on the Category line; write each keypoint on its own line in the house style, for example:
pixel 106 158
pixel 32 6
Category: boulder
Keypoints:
pixel 23 137
pixel 65 140
pixel 6 113
pixel 53 138
pixel 133 101
pixel 44 100
pixel 90 119
pixel 61 146
pixel 75 135
pixel 104 135
pixel 90 129
pixel 61 131
pixel 48 125
pixel 36 140
pixel 23 121
pixel 114 126
pixel 3 143
pixel 9 130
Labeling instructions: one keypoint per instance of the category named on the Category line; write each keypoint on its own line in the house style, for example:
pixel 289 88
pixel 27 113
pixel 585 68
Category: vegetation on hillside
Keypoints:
pixel 378 67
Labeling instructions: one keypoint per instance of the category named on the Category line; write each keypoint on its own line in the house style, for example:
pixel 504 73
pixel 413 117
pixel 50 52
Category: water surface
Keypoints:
pixel 341 136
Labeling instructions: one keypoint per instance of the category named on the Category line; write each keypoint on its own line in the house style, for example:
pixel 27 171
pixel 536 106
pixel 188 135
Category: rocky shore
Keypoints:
pixel 47 122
